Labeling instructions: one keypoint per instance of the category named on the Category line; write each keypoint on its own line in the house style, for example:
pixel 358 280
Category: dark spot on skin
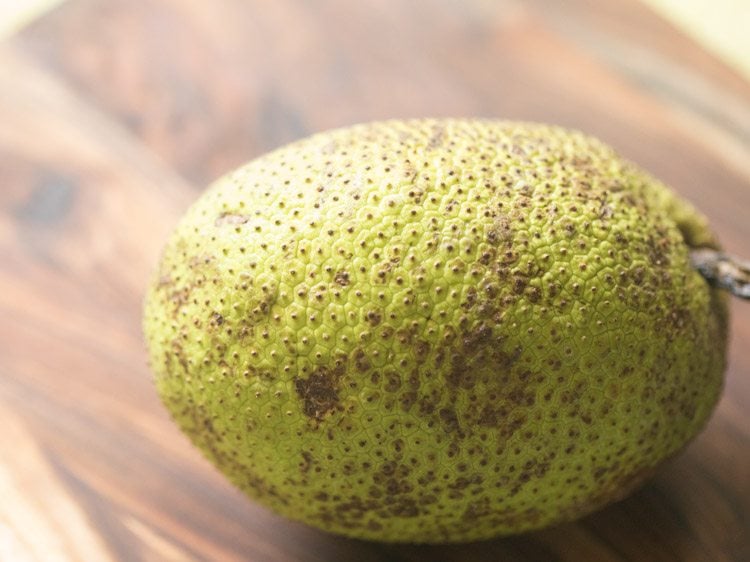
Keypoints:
pixel 349 512
pixel 534 294
pixel 217 319
pixel 500 231
pixel 491 416
pixel 437 139
pixel 330 148
pixel 200 261
pixel 385 268
pixel 439 357
pixel 49 202
pixel 180 294
pixel 471 298
pixel 405 336
pixel 374 318
pixel 426 407
pixel 341 278
pixel 638 275
pixel 480 350
pixel 478 510
pixel 658 250
pixel 177 356
pixel 211 440
pixel 260 487
pixel 519 284
pixel 459 375
pixel 390 495
pixel 361 361
pixel 404 507
pixel 319 392
pixel 416 195
pixel 615 482
pixel 462 482
pixel 407 400
pixel 449 419
pixel 421 349
pixel 477 339
pixel 307 462
pixel 393 382
pixel 485 363
pixel 487 257
pixel 233 219
pixel 386 333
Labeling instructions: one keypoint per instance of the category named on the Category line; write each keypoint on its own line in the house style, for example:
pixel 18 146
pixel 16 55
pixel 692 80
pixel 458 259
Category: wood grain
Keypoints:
pixel 114 116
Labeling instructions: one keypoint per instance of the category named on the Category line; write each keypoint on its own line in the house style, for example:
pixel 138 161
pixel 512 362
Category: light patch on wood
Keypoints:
pixel 720 25
pixel 166 550
pixel 39 520
pixel 14 15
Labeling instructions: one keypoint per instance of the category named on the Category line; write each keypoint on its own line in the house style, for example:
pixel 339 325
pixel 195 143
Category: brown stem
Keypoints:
pixel 722 270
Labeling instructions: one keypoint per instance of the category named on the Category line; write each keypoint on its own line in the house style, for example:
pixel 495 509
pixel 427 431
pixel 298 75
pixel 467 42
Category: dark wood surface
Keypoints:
pixel 114 114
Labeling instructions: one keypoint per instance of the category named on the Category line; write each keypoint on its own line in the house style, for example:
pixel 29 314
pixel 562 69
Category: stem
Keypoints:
pixel 723 271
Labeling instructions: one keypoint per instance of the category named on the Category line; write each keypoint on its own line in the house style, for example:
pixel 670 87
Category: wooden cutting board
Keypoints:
pixel 115 113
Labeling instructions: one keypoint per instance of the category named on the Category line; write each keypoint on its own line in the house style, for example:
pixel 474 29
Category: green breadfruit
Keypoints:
pixel 437 330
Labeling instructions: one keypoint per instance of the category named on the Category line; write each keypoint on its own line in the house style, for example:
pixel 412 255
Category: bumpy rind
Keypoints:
pixel 437 330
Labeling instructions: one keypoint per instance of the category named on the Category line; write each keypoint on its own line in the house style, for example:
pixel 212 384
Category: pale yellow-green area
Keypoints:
pixel 15 14
pixel 723 26
pixel 437 330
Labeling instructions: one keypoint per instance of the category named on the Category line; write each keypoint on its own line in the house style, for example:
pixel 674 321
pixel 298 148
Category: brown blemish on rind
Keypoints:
pixel 437 139
pixel 306 463
pixel 481 350
pixel 500 232
pixel 231 219
pixel 450 419
pixel 341 278
pixel 177 356
pixel 319 392
pixel 374 318
pixel 619 486
pixel 361 362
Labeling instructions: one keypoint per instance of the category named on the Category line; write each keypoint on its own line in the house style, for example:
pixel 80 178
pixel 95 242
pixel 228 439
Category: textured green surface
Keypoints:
pixel 437 330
